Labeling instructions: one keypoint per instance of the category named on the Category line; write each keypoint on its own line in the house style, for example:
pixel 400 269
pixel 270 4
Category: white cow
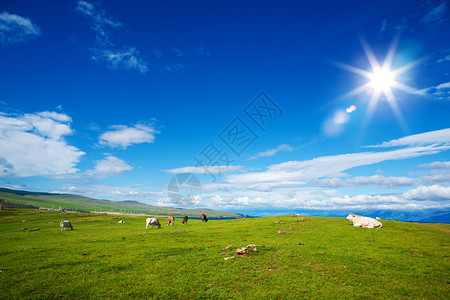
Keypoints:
pixel 65 224
pixel 153 222
pixel 365 222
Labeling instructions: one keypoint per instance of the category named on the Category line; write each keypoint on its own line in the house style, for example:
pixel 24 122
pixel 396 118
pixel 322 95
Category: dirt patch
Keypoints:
pixel 177 232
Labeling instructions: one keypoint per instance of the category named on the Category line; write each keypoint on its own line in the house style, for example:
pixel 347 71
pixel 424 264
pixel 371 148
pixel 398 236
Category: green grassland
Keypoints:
pixel 314 258
pixel 75 202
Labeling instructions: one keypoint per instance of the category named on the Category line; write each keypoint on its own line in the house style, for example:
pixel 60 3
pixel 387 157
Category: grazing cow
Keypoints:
pixel 365 222
pixel 185 219
pixel 204 218
pixel 152 221
pixel 170 220
pixel 65 224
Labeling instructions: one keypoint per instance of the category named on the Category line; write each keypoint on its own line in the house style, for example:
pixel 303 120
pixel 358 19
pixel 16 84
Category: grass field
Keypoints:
pixel 315 258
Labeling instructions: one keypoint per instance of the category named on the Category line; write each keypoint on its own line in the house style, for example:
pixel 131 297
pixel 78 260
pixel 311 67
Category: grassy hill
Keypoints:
pixel 309 257
pixel 68 201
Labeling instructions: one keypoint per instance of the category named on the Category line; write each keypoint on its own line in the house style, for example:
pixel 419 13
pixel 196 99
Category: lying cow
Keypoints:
pixel 204 218
pixel 185 220
pixel 65 224
pixel 152 221
pixel 365 222
pixel 170 221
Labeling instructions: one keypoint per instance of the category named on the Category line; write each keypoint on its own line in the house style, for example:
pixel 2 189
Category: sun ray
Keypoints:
pixel 354 69
pixel 381 80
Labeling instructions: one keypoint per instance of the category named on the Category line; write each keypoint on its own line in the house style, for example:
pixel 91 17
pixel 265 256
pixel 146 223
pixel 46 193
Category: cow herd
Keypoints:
pixel 358 221
pixel 170 221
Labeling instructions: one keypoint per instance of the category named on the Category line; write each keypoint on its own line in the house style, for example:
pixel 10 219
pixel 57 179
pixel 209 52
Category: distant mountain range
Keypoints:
pixel 424 216
pixel 75 202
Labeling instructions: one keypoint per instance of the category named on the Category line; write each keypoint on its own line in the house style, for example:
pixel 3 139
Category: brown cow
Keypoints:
pixel 170 220
pixel 185 219
pixel 204 218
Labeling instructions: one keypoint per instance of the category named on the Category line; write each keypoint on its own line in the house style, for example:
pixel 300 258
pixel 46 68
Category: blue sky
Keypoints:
pixel 272 106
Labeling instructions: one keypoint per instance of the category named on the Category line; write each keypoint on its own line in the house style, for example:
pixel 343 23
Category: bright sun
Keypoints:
pixel 381 80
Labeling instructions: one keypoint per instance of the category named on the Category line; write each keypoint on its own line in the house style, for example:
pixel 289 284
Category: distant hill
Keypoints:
pixel 75 202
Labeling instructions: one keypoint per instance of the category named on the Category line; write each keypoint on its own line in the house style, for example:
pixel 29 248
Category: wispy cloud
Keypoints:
pixel 420 198
pixel 443 59
pixel 439 92
pixel 16 29
pixel 435 14
pixel 128 59
pixel 106 50
pixel 204 170
pixel 122 136
pixel 99 21
pixel 272 152
pixel 383 26
pixel 328 165
pixel 384 182
pixel 438 173
pixel 304 184
pixel 179 52
pixel 34 145
pixel 437 137
pixel 436 165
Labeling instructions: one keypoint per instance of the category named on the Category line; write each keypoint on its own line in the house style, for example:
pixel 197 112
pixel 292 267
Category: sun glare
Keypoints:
pixel 382 80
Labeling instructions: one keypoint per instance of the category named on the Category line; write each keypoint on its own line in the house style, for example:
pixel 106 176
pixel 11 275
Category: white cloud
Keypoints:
pixel 435 14
pixel 124 136
pixel 385 182
pixel 272 152
pixel 383 25
pixel 16 29
pixel 34 145
pixel 423 197
pixel 438 174
pixel 283 185
pixel 105 27
pixel 433 192
pixel 49 124
pixel 127 59
pixel 446 58
pixel 438 137
pixel 110 166
pixel 439 92
pixel 327 165
pixel 85 8
pixel 99 21
pixel 204 170
pixel 436 177
pixel 436 165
